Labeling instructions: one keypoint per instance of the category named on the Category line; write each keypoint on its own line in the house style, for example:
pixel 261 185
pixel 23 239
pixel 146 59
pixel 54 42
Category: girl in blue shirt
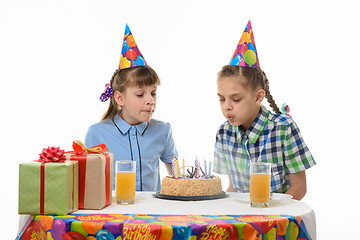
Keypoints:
pixel 127 127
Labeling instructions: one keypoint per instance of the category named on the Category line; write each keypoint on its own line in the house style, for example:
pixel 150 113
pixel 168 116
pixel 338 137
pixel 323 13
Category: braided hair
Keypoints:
pixel 256 78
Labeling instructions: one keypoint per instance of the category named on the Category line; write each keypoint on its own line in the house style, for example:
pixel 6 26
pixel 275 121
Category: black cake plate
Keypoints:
pixel 191 198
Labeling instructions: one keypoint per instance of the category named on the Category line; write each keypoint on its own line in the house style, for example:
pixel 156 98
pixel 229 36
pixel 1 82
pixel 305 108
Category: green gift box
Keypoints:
pixel 48 188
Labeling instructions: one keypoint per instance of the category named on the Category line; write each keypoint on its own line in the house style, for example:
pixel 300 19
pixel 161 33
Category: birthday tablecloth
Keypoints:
pixel 161 218
pixel 164 227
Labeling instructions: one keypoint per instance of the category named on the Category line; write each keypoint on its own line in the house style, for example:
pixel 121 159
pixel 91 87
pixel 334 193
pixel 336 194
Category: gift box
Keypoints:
pixel 95 175
pixel 48 188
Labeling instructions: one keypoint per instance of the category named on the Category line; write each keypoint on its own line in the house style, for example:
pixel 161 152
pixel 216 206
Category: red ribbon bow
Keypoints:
pixel 81 149
pixel 51 154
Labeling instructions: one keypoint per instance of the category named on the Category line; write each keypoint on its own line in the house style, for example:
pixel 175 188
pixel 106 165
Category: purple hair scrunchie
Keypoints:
pixel 107 93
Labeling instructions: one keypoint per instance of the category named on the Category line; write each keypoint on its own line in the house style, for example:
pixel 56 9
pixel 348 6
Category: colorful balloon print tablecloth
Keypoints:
pixel 163 227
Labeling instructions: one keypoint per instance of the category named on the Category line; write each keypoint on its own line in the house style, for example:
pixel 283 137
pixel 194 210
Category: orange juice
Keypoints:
pixel 259 187
pixel 125 185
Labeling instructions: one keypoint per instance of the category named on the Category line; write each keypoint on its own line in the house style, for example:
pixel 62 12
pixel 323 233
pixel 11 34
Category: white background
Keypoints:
pixel 56 57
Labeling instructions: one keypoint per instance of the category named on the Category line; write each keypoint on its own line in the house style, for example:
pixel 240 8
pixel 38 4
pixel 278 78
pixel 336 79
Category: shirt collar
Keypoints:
pixel 257 125
pixel 124 127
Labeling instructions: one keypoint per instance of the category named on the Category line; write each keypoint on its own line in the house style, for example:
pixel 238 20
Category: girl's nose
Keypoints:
pixel 227 106
pixel 150 100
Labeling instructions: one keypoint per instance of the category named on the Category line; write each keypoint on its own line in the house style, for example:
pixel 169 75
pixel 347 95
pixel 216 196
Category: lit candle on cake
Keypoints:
pixel 183 167
pixel 173 166
pixel 205 166
pixel 176 168
pixel 209 169
pixel 195 173
pixel 197 167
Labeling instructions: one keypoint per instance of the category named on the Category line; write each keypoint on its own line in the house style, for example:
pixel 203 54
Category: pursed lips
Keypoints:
pixel 148 110
pixel 230 117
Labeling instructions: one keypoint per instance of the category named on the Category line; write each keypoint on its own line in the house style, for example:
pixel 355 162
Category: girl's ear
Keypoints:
pixel 260 95
pixel 119 98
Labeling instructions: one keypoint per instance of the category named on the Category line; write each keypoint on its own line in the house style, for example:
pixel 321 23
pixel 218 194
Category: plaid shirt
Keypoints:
pixel 271 138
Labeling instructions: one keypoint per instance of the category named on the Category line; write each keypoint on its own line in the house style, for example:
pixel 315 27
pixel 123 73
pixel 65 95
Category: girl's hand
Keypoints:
pixel 231 186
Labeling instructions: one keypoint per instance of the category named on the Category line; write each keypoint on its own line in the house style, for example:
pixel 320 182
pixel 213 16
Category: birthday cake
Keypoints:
pixel 191 181
pixel 185 186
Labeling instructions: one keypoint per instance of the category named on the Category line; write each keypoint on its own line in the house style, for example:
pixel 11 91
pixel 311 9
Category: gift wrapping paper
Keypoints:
pixel 48 188
pixel 95 179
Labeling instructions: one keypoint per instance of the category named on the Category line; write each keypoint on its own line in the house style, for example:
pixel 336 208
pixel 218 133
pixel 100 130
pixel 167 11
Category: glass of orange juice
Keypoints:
pixel 125 181
pixel 260 173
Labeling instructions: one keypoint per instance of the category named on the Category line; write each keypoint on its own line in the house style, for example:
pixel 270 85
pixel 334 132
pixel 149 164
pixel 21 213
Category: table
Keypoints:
pixel 209 218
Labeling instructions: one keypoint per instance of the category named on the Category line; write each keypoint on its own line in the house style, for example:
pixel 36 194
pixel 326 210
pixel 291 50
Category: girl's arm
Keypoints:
pixel 231 186
pixel 297 185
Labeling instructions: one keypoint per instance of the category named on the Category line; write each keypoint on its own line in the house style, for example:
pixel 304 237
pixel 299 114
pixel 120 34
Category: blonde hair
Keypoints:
pixel 255 78
pixel 129 77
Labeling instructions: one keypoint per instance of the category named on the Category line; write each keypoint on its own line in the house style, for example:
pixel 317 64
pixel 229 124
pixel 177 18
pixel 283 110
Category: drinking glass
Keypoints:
pixel 125 181
pixel 260 173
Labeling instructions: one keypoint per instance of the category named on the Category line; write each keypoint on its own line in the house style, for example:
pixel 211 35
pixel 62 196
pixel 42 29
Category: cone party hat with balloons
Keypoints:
pixel 130 57
pixel 130 53
pixel 245 54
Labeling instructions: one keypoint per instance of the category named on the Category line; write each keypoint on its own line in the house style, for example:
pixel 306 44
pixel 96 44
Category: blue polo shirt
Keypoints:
pixel 145 143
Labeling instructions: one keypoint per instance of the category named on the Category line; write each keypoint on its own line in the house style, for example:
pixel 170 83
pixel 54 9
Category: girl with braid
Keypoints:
pixel 254 134
pixel 127 128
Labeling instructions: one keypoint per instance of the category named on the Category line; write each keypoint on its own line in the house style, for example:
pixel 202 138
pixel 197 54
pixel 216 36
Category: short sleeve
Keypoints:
pixel 170 148
pixel 92 137
pixel 220 162
pixel 297 156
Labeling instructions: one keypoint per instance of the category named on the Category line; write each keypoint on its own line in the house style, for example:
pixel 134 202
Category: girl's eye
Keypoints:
pixel 221 99
pixel 139 95
pixel 236 100
pixel 153 93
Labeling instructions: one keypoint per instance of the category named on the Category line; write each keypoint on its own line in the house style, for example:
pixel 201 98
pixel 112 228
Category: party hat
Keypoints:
pixel 130 53
pixel 245 54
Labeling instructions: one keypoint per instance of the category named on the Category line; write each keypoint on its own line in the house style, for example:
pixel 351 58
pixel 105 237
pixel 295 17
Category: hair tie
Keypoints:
pixel 285 109
pixel 107 93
